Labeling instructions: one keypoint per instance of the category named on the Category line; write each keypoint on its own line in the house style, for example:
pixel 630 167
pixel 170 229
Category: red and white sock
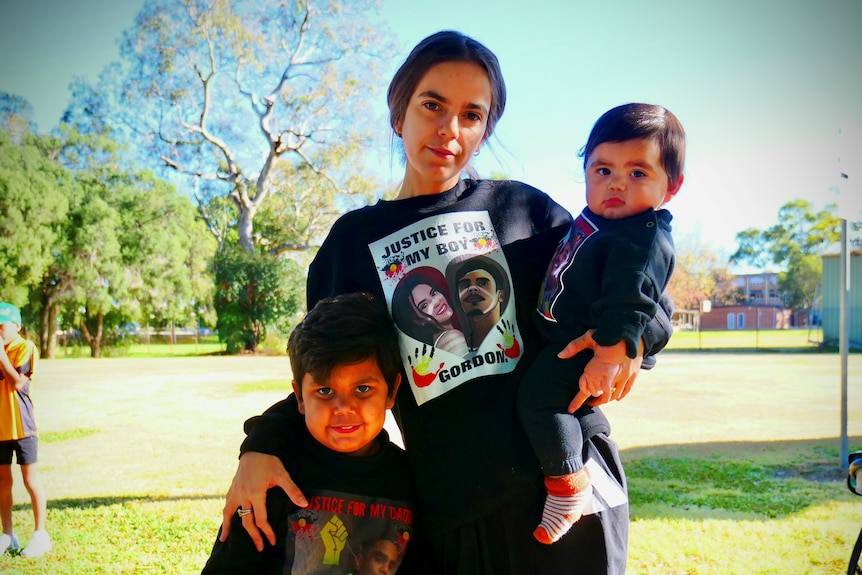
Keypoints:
pixel 567 496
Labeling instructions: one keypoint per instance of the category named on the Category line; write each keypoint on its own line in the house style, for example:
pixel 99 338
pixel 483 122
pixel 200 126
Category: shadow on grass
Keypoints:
pixel 755 480
pixel 96 502
pixel 759 480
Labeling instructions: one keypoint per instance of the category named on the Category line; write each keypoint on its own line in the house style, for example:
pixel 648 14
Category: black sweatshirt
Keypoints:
pixel 612 275
pixel 468 452
pixel 352 501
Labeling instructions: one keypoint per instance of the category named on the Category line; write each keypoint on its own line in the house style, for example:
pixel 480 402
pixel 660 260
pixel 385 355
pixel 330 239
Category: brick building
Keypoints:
pixel 733 317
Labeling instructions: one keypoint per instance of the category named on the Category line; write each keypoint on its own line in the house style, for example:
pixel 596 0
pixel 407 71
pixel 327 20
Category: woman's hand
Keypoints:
pixel 256 473
pixel 611 362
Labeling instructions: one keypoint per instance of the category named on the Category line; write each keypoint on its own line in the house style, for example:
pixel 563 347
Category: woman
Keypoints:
pixel 422 310
pixel 479 485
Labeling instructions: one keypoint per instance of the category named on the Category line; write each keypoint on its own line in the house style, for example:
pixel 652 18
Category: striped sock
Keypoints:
pixel 567 496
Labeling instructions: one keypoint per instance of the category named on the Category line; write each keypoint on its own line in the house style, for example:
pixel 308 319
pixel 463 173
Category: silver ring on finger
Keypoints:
pixel 243 512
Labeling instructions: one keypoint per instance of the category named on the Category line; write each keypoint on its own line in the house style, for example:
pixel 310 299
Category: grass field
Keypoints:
pixel 732 461
pixel 799 339
pixel 157 347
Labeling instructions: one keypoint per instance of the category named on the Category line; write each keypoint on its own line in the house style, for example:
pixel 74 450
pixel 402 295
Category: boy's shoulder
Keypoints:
pixel 21 351
pixel 398 453
pixel 387 472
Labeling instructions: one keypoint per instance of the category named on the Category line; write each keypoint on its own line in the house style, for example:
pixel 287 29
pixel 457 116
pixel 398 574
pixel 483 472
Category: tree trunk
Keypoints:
pixel 245 227
pixel 52 288
pixel 94 340
pixel 48 329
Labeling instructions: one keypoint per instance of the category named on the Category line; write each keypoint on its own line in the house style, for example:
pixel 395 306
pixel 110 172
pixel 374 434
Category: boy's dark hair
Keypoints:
pixel 641 122
pixel 344 329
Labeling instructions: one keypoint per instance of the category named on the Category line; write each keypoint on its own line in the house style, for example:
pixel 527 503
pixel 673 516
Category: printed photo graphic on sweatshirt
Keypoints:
pixel 341 533
pixel 448 288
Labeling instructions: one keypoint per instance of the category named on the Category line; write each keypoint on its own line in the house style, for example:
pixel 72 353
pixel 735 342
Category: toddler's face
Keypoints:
pixel 627 178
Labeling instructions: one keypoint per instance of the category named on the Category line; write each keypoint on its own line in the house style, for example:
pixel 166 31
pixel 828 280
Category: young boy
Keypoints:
pixel 346 367
pixel 619 257
pixel 18 432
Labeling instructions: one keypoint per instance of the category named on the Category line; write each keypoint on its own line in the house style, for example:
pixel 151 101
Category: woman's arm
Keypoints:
pixel 259 469
pixel 236 555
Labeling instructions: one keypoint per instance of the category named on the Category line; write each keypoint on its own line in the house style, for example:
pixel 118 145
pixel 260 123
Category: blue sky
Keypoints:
pixel 762 86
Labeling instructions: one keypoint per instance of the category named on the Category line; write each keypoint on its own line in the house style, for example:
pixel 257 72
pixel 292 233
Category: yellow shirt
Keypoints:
pixel 16 409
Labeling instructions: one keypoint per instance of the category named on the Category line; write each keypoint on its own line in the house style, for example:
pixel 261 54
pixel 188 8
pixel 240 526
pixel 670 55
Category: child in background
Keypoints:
pixel 618 258
pixel 346 370
pixel 18 358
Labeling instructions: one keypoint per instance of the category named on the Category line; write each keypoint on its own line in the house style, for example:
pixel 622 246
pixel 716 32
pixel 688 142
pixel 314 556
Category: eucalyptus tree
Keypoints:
pixel 256 100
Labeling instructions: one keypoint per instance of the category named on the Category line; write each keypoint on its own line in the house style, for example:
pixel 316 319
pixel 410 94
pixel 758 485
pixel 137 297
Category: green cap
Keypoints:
pixel 9 312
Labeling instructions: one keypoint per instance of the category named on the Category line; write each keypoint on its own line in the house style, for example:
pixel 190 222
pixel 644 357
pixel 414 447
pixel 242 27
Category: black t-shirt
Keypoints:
pixel 353 503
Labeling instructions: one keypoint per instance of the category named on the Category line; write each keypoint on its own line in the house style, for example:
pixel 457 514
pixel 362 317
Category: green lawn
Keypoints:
pixel 732 461
pixel 801 339
pixel 744 340
pixel 157 347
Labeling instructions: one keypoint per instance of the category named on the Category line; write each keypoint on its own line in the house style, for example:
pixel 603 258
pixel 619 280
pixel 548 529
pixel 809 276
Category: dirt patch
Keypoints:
pixel 820 472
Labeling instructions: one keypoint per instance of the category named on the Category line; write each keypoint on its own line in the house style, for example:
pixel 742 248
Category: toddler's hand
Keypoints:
pixel 598 377
pixel 606 376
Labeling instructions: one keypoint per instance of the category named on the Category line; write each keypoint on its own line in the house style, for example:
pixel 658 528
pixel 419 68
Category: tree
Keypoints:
pixel 301 210
pixel 33 209
pixel 128 244
pixel 87 237
pixel 143 252
pixel 253 291
pixel 795 243
pixel 699 270
pixel 16 116
pixel 243 96
pixel 97 283
pixel 167 252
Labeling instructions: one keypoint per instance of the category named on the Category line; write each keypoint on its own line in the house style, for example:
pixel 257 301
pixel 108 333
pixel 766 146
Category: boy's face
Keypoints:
pixel 8 331
pixel 346 412
pixel 627 178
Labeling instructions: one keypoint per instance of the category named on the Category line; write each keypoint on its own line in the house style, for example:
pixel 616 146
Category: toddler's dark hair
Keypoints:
pixel 642 122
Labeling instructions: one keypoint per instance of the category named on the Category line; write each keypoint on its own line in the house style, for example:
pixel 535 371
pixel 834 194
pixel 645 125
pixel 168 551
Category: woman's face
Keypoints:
pixel 429 303
pixel 443 125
